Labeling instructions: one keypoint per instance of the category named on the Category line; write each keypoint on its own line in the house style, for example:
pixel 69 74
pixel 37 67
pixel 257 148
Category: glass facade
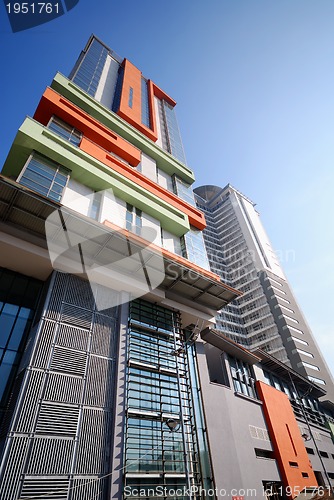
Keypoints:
pixel 195 248
pixel 159 390
pixel 45 177
pixel 89 72
pixel 247 320
pixel 118 90
pixel 184 191
pixel 174 137
pixel 18 300
pixel 145 110
pixel 65 130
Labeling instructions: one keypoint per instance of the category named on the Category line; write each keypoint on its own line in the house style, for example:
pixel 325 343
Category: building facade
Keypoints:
pixel 267 315
pixel 104 273
pixel 115 382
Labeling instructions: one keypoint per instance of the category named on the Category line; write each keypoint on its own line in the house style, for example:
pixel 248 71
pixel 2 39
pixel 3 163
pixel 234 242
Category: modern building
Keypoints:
pixel 267 315
pixel 266 427
pixel 115 381
pixel 97 210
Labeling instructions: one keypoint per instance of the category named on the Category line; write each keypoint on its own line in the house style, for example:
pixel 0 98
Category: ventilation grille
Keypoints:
pixel 9 484
pixel 99 382
pixel 59 286
pixel 316 435
pixel 50 456
pixel 57 419
pixel 6 416
pixel 28 409
pixel 75 338
pixel 26 357
pixel 42 356
pixel 70 368
pixel 53 488
pixel 79 293
pixel 90 489
pixel 66 360
pixel 94 448
pixel 259 433
pixel 104 297
pixel 65 388
pixel 103 336
pixel 76 316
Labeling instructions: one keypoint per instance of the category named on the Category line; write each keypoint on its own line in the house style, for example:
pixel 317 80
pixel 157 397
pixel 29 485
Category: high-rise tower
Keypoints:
pixel 267 315
pixel 114 382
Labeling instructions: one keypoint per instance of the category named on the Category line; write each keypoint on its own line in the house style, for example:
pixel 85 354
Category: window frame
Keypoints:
pixel 48 162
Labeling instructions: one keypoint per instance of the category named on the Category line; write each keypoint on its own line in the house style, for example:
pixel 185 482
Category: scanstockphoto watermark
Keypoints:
pixel 108 256
pixel 184 492
pixel 24 15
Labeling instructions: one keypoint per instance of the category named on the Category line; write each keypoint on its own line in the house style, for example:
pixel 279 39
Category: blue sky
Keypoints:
pixel 254 81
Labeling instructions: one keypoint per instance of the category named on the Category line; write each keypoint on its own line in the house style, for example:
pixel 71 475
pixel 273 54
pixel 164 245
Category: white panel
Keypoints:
pixel 148 167
pixel 112 209
pixel 76 196
pixel 263 239
pixel 150 222
pixel 171 242
pixel 106 87
pixel 165 180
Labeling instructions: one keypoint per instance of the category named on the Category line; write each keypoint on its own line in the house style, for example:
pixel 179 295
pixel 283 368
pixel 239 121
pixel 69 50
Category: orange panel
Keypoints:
pixel 132 114
pixel 290 453
pixel 98 140
pixel 53 103
pixel 162 95
pixel 195 216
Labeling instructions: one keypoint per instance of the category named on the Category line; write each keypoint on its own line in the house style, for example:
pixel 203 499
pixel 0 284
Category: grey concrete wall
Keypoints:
pixel 232 447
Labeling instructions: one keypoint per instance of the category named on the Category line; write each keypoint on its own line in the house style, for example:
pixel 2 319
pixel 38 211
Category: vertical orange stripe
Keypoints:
pixel 289 448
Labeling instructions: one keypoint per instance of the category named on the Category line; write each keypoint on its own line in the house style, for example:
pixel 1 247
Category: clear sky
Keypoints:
pixel 254 80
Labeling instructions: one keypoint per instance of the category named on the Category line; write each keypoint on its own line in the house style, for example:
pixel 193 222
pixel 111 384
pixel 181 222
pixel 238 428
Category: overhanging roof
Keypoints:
pixel 218 339
pixel 277 367
pixel 26 210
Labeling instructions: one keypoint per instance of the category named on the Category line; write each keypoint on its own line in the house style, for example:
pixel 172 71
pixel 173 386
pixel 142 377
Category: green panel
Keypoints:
pixel 165 161
pixel 90 172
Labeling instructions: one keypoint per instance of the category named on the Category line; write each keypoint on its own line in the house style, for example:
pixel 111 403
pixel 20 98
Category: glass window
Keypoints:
pixel 150 445
pixel 65 130
pixel 5 369
pixel 95 206
pixel 133 219
pixel 174 137
pixel 7 320
pixel 184 191
pixel 242 376
pixel 45 177
pixel 89 72
pixel 130 97
pixel 195 248
pixel 145 110
pixel 16 311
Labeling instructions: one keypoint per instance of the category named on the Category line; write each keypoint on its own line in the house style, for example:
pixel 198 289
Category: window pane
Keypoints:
pixel 45 177
pixel 7 319
pixel 17 333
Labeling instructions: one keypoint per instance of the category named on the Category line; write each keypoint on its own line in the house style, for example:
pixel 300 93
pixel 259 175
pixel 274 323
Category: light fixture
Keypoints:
pixel 306 437
pixel 173 425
